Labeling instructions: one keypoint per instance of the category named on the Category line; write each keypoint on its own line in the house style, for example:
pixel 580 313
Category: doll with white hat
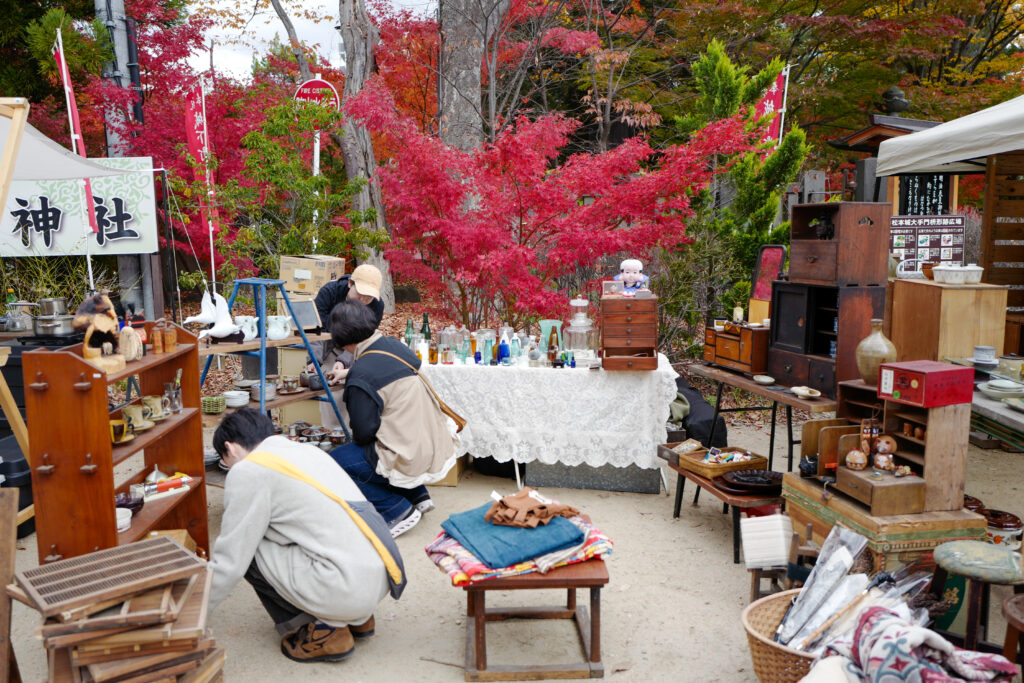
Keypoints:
pixel 632 277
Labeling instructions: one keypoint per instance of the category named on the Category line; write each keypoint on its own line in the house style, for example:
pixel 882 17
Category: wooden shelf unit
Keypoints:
pixel 940 458
pixel 73 460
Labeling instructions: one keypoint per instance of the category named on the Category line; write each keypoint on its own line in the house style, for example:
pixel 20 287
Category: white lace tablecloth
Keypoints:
pixel 569 416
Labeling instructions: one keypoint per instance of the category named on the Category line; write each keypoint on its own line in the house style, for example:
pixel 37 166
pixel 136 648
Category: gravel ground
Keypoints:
pixel 670 613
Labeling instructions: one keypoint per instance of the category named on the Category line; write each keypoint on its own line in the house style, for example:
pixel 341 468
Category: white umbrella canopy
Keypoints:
pixel 40 158
pixel 957 146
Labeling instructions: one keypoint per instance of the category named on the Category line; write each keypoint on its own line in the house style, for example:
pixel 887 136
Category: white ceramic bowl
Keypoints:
pixel 764 379
pixel 972 273
pixel 1004 384
pixel 806 392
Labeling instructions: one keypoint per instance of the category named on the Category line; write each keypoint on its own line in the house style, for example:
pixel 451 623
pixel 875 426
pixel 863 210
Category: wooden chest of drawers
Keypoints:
pixel 738 347
pixel 840 243
pixel 629 333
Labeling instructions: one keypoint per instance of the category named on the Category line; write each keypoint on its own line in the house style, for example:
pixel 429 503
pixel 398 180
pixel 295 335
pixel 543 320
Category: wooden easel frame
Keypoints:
pixel 16 109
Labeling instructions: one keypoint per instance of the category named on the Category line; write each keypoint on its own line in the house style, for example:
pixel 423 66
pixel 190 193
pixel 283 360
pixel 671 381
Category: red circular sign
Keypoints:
pixel 320 91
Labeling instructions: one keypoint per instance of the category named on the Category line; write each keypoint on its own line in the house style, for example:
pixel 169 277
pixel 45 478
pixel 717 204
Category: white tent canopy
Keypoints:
pixel 40 158
pixel 957 146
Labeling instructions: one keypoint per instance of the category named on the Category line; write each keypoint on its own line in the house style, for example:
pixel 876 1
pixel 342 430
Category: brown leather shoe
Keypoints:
pixel 318 643
pixel 363 630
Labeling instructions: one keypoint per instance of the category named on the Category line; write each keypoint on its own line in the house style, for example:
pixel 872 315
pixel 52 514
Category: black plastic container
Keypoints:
pixel 18 475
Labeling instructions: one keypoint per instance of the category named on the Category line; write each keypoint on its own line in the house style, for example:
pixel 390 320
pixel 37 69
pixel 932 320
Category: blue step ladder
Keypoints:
pixel 259 291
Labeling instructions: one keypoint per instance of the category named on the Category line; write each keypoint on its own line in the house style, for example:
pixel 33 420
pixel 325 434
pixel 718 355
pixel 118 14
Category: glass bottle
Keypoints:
pixel 408 333
pixel 553 345
pixel 11 298
pixel 425 330
pixel 433 352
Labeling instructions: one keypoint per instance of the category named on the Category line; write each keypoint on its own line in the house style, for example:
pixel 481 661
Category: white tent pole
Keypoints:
pixel 209 183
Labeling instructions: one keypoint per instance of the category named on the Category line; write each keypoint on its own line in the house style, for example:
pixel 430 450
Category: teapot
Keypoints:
pixel 278 326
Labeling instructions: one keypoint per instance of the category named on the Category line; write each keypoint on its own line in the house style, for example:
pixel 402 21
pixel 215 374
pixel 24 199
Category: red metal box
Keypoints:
pixel 925 383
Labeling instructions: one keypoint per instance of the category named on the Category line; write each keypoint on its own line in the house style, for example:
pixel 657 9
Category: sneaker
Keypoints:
pixel 363 630
pixel 318 643
pixel 405 522
pixel 425 506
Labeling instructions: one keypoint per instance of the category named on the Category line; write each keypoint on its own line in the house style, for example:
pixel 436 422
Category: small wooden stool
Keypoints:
pixel 982 564
pixel 591 574
pixel 1013 612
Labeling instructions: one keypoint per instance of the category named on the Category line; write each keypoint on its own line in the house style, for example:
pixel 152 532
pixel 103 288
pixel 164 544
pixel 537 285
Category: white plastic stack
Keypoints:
pixel 766 541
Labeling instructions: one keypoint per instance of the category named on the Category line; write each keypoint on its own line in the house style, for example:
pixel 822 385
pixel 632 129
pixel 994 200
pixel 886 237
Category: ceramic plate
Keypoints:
pixel 143 426
pixel 999 394
pixel 126 439
pixel 1004 384
pixel 764 379
pixel 753 324
pixel 161 417
pixel 1015 403
pixel 977 361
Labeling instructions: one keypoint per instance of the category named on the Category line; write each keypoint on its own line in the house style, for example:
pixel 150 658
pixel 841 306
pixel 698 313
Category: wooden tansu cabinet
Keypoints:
pixel 738 347
pixel 629 333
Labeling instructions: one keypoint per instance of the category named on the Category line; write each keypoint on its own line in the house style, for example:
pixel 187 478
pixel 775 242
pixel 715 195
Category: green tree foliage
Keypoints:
pixel 19 68
pixel 281 207
pixel 86 49
pixel 736 215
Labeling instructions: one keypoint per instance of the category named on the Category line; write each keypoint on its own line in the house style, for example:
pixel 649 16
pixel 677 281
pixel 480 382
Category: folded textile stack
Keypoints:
pixel 472 549
pixel 134 613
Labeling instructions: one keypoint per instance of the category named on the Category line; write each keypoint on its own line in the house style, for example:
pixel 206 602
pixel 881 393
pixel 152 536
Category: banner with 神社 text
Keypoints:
pixel 48 217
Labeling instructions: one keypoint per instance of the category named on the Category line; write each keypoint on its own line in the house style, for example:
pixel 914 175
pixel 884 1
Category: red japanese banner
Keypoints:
pixel 198 147
pixel 77 143
pixel 774 102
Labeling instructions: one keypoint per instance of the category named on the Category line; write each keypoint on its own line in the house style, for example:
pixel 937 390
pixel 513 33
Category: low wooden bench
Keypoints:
pixel 591 574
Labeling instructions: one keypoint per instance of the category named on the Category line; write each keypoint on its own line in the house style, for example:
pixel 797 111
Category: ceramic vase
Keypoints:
pixel 872 351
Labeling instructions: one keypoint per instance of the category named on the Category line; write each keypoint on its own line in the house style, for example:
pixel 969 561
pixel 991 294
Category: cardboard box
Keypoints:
pixel 926 383
pixel 454 474
pixel 307 274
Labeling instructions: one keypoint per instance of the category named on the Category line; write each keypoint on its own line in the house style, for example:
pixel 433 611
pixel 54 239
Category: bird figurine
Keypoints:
pixel 207 311
pixel 223 326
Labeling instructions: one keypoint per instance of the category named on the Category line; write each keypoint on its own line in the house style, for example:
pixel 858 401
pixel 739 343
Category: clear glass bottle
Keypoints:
pixel 409 332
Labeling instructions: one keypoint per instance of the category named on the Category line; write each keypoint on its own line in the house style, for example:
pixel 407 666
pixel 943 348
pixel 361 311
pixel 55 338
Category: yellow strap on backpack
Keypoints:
pixel 279 464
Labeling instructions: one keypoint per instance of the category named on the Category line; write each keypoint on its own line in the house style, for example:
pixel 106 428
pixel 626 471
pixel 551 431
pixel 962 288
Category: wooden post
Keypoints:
pixel 8 527
pixel 16 109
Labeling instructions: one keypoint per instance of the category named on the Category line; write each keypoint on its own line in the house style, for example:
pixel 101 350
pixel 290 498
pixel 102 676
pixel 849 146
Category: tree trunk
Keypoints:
pixel 467 26
pixel 293 41
pixel 359 38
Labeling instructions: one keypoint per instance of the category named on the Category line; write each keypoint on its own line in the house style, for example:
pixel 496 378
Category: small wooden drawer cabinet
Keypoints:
pixel 629 333
pixel 738 347
pixel 887 495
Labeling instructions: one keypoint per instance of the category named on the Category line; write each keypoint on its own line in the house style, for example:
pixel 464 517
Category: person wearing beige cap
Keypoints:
pixel 362 285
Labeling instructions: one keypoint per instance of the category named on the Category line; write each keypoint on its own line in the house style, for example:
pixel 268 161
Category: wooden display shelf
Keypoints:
pixel 122 452
pixel 911 439
pixel 915 458
pixel 912 417
pixel 207 349
pixel 153 512
pixel 73 461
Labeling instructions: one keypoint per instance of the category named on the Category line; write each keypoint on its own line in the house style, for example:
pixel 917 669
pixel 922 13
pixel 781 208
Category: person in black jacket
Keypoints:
pixel 363 285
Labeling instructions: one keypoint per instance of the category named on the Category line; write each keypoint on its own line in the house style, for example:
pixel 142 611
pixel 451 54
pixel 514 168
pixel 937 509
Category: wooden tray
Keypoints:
pixel 694 461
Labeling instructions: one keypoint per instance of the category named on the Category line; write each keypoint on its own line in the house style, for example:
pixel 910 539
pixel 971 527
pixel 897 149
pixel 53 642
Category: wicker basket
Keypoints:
pixel 773 662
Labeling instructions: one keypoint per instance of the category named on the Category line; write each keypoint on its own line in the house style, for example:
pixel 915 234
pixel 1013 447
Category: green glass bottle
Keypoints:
pixel 426 328
pixel 408 332
pixel 11 298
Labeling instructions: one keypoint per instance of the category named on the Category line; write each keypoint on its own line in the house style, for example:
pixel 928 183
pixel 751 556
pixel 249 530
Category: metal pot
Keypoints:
pixel 52 325
pixel 55 306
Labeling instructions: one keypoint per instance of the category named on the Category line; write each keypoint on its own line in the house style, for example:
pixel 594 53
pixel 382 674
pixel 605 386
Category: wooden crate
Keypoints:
pixel 885 495
pixel 894 540
pixel 694 461
pixel 936 321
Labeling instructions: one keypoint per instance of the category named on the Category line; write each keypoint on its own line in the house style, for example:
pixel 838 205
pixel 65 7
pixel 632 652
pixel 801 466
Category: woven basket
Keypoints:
pixel 773 662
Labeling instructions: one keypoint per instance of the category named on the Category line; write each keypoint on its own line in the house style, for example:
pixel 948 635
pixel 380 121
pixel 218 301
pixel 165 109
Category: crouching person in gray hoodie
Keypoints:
pixel 296 527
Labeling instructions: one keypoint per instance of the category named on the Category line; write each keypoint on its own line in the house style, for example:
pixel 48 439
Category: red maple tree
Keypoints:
pixel 488 232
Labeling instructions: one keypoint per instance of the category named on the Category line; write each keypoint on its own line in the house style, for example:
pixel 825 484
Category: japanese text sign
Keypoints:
pixel 48 217
pixel 928 238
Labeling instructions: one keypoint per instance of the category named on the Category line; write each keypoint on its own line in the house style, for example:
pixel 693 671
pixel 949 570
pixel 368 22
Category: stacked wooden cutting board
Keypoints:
pixel 131 614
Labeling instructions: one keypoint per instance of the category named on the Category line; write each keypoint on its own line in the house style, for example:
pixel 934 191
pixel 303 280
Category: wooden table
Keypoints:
pixel 776 396
pixel 591 574
pixel 208 349
pixel 736 501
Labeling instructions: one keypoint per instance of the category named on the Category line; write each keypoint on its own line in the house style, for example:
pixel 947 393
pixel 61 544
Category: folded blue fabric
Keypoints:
pixel 500 546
